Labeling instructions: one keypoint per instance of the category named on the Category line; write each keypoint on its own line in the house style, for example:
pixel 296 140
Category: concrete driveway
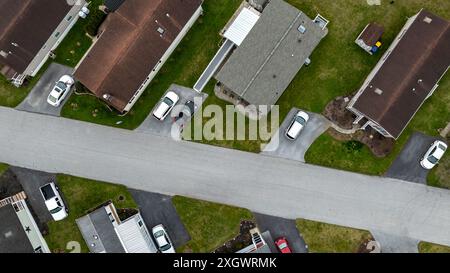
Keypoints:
pixel 31 181
pixel 166 127
pixel 158 209
pixel 295 150
pixel 36 101
pixel 407 164
pixel 280 227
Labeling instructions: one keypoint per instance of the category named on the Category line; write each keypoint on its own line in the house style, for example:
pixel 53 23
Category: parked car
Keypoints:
pixel 53 201
pixel 165 105
pixel 60 90
pixel 297 125
pixel 433 155
pixel 283 245
pixel 163 241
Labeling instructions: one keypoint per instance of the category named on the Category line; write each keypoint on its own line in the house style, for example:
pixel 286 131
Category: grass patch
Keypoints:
pixel 327 238
pixel 209 224
pixel 3 168
pixel 11 96
pixel 425 247
pixel 82 195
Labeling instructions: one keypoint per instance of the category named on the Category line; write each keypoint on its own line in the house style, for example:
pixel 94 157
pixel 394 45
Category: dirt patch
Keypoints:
pixel 244 239
pixel 337 112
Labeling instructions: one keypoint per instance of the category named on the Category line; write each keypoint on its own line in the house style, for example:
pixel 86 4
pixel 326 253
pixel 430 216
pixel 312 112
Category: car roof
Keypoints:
pixel 161 109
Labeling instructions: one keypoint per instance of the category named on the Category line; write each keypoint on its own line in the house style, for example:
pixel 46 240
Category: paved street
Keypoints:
pixel 36 101
pixel 152 163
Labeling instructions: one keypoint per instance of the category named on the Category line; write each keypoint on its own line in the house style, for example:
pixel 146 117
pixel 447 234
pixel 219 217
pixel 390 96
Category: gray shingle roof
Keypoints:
pixel 271 55
pixel 13 238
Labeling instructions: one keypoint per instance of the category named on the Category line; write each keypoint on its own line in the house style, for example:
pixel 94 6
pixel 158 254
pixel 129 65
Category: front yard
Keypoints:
pixel 209 224
pixel 82 195
pixel 327 238
pixel 425 247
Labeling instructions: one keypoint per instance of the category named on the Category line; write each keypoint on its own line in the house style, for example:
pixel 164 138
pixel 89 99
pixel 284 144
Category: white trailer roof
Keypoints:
pixel 241 26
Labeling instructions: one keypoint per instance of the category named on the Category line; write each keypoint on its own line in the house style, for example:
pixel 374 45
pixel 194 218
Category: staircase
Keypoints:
pixel 18 79
pixel 13 199
pixel 257 239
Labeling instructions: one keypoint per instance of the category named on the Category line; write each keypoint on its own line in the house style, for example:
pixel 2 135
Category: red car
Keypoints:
pixel 282 245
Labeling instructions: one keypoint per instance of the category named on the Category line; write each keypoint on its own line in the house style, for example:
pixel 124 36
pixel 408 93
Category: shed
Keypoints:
pixel 369 38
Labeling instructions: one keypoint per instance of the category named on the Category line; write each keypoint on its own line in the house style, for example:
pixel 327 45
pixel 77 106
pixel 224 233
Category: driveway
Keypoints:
pixel 167 128
pixel 157 164
pixel 36 101
pixel 395 244
pixel 158 209
pixel 407 164
pixel 31 181
pixel 280 227
pixel 295 150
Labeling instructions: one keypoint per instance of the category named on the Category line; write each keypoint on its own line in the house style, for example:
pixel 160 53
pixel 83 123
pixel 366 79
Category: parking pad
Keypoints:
pixel 296 149
pixel 158 209
pixel 407 164
pixel 36 101
pixel 170 127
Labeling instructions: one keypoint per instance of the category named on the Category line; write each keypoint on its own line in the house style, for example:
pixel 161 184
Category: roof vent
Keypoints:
pixel 302 29
pixel 427 20
pixel 379 91
pixel 160 30
pixel 3 54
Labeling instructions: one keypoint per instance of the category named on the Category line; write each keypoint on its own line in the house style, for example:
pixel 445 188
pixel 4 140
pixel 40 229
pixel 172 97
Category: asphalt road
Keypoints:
pixel 407 164
pixel 36 101
pixel 158 164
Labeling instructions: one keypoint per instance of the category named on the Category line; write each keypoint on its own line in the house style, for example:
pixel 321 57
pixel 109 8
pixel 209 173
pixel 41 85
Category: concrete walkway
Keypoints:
pixel 152 163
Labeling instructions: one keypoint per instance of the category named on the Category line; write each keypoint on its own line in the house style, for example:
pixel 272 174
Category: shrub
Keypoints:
pixel 93 21
pixel 353 146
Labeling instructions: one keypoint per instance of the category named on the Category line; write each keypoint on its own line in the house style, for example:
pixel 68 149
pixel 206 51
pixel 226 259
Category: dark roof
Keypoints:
pixel 29 24
pixel 408 75
pixel 130 46
pixel 98 223
pixel 13 238
pixel 371 34
pixel 268 59
pixel 113 5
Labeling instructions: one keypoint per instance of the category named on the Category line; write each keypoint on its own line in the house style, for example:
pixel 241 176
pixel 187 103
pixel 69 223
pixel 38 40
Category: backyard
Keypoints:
pixel 327 238
pixel 82 195
pixel 209 224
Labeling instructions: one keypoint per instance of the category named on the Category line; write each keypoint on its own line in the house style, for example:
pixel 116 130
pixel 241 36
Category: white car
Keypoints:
pixel 433 155
pixel 162 239
pixel 53 201
pixel 60 90
pixel 165 106
pixel 297 125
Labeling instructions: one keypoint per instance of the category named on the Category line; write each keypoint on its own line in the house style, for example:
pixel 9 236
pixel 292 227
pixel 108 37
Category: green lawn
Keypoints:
pixel 327 238
pixel 209 224
pixel 425 247
pixel 183 67
pixel 3 168
pixel 82 195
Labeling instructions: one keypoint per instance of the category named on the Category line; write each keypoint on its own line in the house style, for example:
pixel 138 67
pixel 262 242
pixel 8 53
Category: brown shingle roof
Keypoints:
pixel 130 46
pixel 29 24
pixel 408 75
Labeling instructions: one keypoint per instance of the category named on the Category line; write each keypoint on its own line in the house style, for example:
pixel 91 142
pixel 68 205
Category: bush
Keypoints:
pixel 93 21
pixel 353 146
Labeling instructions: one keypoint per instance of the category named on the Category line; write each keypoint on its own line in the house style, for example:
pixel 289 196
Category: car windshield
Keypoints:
pixel 283 245
pixel 433 159
pixel 159 233
pixel 55 210
pixel 52 99
pixel 300 120
pixel 168 101
pixel 61 86
pixel 165 247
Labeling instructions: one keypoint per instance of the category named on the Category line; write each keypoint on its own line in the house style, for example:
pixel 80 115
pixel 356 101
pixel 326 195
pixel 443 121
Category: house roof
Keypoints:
pixel 13 238
pixel 371 34
pixel 403 82
pixel 130 46
pixel 135 237
pixel 99 232
pixel 28 24
pixel 263 66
